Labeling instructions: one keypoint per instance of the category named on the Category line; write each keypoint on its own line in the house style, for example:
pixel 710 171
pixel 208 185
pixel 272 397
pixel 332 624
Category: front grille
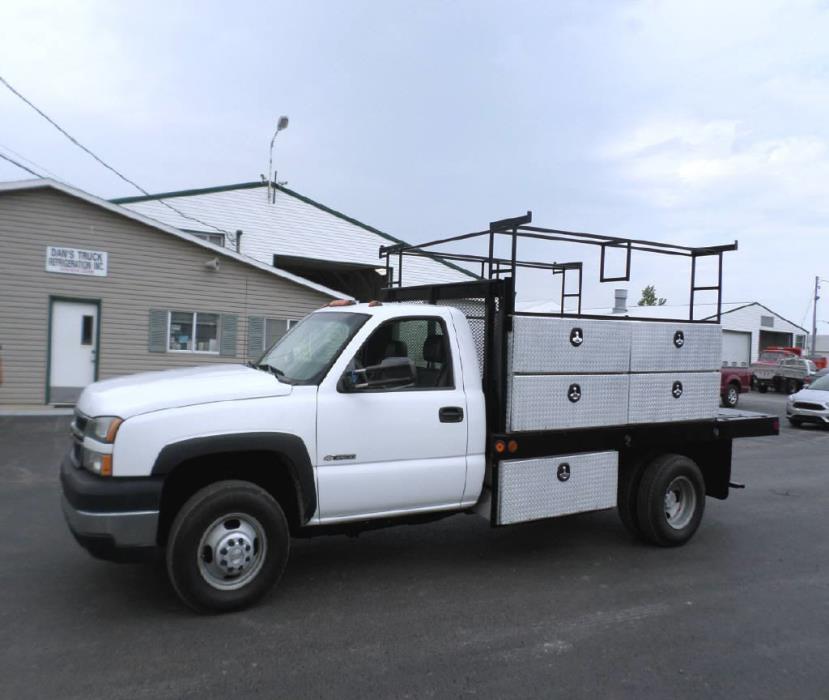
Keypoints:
pixel 78 427
pixel 79 424
pixel 809 406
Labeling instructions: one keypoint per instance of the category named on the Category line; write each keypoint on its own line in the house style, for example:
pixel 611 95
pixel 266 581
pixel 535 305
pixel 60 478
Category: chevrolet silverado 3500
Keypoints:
pixel 440 400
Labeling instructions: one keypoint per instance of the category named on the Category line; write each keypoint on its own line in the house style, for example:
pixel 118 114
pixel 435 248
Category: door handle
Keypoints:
pixel 451 414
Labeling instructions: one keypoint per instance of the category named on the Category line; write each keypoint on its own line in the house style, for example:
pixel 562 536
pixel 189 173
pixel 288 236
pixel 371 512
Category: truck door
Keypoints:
pixel 394 449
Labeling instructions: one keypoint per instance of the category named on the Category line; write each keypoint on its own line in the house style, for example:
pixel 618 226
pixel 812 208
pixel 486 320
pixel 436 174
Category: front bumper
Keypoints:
pixel 805 415
pixel 112 518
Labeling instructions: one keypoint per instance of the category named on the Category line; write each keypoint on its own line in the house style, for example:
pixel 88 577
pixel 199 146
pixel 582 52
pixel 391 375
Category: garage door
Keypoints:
pixel 736 348
pixel 775 338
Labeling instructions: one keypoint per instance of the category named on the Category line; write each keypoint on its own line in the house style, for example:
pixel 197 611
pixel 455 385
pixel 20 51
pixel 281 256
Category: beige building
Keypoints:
pixel 91 290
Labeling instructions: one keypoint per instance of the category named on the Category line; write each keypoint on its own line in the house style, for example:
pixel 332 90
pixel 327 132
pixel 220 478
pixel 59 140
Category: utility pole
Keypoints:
pixel 814 315
pixel 280 125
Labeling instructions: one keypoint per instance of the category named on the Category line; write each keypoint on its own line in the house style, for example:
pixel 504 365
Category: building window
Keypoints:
pixel 767 321
pixel 275 328
pixel 217 238
pixel 193 332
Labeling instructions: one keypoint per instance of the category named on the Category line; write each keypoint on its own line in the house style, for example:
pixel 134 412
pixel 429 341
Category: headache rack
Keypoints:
pixel 488 301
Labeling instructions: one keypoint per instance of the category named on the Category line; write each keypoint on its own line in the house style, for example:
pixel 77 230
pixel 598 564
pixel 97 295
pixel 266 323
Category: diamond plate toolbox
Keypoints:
pixel 675 347
pixel 542 345
pixel 673 396
pixel 555 401
pixel 530 489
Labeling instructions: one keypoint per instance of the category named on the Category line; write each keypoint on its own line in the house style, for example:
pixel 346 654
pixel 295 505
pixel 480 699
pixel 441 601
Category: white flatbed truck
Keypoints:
pixel 440 400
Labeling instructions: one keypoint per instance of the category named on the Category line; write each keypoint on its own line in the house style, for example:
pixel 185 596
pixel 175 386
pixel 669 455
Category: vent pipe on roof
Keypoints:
pixel 620 305
pixel 239 240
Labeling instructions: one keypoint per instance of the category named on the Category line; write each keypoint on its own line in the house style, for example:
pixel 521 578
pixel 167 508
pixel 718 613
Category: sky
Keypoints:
pixel 689 122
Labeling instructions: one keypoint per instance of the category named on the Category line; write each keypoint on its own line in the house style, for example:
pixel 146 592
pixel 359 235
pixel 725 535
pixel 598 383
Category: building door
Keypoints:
pixel 736 348
pixel 73 349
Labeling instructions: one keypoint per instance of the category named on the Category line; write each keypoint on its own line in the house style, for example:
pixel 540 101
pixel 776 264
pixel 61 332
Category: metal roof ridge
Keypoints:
pixel 187 193
pixel 292 193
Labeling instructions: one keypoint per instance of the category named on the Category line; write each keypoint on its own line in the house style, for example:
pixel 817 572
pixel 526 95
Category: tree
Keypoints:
pixel 649 297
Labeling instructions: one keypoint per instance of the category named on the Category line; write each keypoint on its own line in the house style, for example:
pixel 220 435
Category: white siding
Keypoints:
pixel 748 319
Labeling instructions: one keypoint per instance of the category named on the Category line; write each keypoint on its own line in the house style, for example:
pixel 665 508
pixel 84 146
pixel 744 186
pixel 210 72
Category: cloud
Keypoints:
pixel 683 162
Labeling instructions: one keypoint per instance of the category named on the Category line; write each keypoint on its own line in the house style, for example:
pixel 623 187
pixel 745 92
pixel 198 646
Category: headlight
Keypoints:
pixel 103 428
pixel 97 462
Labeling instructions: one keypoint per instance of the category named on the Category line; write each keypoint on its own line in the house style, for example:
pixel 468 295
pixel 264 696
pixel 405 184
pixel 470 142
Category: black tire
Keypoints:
pixel 792 387
pixel 626 499
pixel 682 477
pixel 762 388
pixel 731 397
pixel 219 508
pixel 795 422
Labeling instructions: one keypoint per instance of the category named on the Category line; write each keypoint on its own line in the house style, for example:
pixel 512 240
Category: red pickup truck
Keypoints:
pixel 733 382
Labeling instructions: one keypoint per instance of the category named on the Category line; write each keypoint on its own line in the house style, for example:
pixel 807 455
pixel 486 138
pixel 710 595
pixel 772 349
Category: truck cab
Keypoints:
pixel 361 412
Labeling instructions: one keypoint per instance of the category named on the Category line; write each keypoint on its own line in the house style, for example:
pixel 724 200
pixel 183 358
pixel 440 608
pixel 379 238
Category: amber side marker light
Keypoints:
pixel 500 446
pixel 512 446
pixel 113 429
pixel 106 465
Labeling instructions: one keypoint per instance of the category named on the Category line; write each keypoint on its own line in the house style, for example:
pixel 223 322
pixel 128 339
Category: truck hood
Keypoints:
pixel 154 391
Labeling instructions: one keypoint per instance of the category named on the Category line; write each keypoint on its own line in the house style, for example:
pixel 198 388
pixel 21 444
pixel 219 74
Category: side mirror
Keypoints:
pixel 391 373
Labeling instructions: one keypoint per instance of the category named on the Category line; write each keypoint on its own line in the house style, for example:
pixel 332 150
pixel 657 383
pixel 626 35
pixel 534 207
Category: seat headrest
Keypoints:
pixel 434 349
pixel 396 348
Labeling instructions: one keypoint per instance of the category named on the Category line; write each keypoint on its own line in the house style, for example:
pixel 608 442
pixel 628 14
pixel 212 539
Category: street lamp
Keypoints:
pixel 280 125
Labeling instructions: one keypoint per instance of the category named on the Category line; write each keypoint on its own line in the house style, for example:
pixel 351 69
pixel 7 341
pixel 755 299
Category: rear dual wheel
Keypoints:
pixel 665 502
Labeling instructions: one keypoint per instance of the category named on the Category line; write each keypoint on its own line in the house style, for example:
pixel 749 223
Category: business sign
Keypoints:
pixel 74 261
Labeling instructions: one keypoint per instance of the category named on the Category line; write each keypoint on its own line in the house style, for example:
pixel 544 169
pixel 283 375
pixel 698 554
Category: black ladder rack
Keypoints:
pixel 496 268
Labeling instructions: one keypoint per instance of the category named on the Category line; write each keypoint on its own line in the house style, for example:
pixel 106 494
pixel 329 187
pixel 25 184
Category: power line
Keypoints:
pixel 100 160
pixel 34 164
pixel 20 165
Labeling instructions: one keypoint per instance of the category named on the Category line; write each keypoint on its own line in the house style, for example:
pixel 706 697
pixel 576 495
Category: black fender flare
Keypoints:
pixel 290 449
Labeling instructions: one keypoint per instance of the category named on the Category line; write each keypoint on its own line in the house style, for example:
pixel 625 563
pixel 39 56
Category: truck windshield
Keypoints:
pixel 307 351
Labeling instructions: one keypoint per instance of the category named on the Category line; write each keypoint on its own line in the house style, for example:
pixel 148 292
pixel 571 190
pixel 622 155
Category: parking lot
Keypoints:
pixel 566 608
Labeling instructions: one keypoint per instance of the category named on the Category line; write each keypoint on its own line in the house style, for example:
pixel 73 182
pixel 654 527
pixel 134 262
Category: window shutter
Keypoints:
pixel 256 337
pixel 227 341
pixel 158 330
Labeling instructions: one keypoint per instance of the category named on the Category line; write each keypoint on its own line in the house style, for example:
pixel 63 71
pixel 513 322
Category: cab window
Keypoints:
pixel 423 341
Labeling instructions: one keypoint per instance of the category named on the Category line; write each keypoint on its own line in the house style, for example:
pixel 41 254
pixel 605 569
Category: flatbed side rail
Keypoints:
pixel 728 425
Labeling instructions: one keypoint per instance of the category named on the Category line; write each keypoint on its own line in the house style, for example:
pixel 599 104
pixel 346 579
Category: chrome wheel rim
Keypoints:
pixel 680 502
pixel 232 551
pixel 732 395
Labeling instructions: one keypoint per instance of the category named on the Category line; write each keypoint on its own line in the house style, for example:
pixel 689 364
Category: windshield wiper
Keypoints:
pixel 275 371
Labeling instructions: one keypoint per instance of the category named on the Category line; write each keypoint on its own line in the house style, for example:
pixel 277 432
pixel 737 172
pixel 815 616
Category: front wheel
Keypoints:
pixel 227 547
pixel 671 500
pixel 763 388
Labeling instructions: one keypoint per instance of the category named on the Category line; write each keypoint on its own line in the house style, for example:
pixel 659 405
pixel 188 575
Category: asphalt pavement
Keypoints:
pixel 570 608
